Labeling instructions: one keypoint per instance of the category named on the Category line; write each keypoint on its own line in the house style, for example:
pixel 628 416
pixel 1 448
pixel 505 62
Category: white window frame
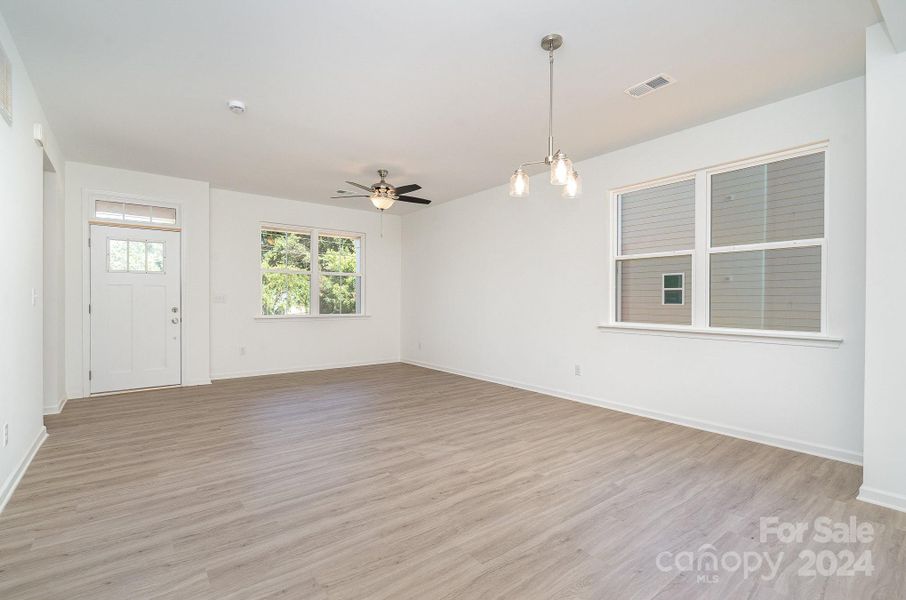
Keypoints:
pixel 314 271
pixel 681 289
pixel 616 216
pixel 701 258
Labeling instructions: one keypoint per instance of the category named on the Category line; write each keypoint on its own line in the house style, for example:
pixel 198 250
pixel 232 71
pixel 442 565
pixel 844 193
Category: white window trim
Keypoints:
pixel 701 259
pixel 314 272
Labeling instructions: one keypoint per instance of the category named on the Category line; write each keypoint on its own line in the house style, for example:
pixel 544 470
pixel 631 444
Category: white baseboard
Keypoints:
pixel 881 498
pixel 196 382
pixel 840 454
pixel 55 410
pixel 322 367
pixel 9 486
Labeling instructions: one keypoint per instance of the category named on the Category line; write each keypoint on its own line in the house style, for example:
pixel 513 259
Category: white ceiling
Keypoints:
pixel 451 95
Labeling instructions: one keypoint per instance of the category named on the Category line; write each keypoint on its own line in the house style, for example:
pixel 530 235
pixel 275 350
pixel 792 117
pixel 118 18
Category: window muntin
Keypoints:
pixel 135 256
pixel 132 213
pixel 762 254
pixel 296 283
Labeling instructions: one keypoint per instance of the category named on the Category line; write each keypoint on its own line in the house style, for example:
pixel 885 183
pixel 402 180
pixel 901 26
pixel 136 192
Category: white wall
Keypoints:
pixel 21 298
pixel 512 290
pixel 273 346
pixel 193 198
pixel 54 300
pixel 885 400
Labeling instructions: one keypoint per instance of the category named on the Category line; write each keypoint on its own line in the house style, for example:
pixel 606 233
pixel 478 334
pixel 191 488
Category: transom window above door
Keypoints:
pixel 132 213
pixel 310 272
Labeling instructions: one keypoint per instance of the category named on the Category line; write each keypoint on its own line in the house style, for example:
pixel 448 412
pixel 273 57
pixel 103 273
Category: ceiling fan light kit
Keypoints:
pixel 382 194
pixel 562 171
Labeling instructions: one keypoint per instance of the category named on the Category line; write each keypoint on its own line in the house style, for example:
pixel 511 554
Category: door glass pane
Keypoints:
pixel 163 216
pixel 136 256
pixel 640 292
pixel 117 251
pixel 155 257
pixel 338 254
pixel 285 294
pixel 137 213
pixel 339 294
pixel 767 289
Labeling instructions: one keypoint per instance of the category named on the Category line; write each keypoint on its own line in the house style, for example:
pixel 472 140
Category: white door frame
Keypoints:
pixel 88 199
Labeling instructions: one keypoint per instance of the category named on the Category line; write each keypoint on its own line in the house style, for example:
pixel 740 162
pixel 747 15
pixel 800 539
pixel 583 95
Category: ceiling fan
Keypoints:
pixel 382 194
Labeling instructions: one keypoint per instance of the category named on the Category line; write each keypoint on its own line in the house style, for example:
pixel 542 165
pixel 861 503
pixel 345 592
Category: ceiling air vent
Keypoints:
pixel 646 87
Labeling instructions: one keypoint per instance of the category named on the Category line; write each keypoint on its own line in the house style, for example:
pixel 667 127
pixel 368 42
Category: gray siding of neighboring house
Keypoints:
pixel 767 289
pixel 658 219
pixel 776 202
pixel 640 290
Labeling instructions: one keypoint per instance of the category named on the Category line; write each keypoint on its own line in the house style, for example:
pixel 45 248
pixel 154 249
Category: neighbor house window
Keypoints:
pixel 673 288
pixel 310 272
pixel 762 254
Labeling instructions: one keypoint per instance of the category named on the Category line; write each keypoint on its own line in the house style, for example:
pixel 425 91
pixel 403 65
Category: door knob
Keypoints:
pixel 175 320
pixel 174 309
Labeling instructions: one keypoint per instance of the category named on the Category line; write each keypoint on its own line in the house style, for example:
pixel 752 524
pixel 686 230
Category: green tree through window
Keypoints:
pixel 289 270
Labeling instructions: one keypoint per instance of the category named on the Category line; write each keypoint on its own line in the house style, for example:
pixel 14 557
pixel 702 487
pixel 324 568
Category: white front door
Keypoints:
pixel 135 308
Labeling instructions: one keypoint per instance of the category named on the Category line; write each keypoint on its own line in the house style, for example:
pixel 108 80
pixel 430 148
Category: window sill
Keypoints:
pixel 307 317
pixel 732 335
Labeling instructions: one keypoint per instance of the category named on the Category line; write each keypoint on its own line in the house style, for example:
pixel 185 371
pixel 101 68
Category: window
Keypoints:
pixel 655 242
pixel 293 283
pixel 134 256
pixel 761 256
pixel 131 213
pixel 673 288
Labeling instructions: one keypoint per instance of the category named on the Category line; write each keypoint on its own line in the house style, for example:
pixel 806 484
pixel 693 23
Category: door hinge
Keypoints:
pixel 89 308
pixel 89 242
pixel 89 375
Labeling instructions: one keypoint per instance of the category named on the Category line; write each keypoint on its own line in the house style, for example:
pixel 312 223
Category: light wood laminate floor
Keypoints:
pixel 401 482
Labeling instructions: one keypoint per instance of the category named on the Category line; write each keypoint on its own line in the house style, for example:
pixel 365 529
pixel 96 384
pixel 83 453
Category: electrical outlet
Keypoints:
pixel 578 370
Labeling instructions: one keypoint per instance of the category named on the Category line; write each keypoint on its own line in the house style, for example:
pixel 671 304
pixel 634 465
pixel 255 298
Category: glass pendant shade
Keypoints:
pixel 381 202
pixel 519 184
pixel 573 185
pixel 561 167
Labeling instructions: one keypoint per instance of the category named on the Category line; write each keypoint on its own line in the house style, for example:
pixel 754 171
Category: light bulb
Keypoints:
pixel 561 167
pixel 381 202
pixel 573 185
pixel 519 184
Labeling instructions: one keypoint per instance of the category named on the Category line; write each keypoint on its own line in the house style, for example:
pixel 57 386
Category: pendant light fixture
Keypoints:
pixel 562 172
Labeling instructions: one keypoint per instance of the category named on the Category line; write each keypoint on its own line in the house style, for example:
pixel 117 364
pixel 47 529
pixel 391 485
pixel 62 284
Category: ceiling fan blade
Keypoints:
pixel 352 196
pixel 405 189
pixel 359 185
pixel 413 199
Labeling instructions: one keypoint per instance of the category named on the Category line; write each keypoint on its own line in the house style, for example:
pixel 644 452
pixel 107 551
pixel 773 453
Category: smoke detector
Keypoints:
pixel 646 87
pixel 237 106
